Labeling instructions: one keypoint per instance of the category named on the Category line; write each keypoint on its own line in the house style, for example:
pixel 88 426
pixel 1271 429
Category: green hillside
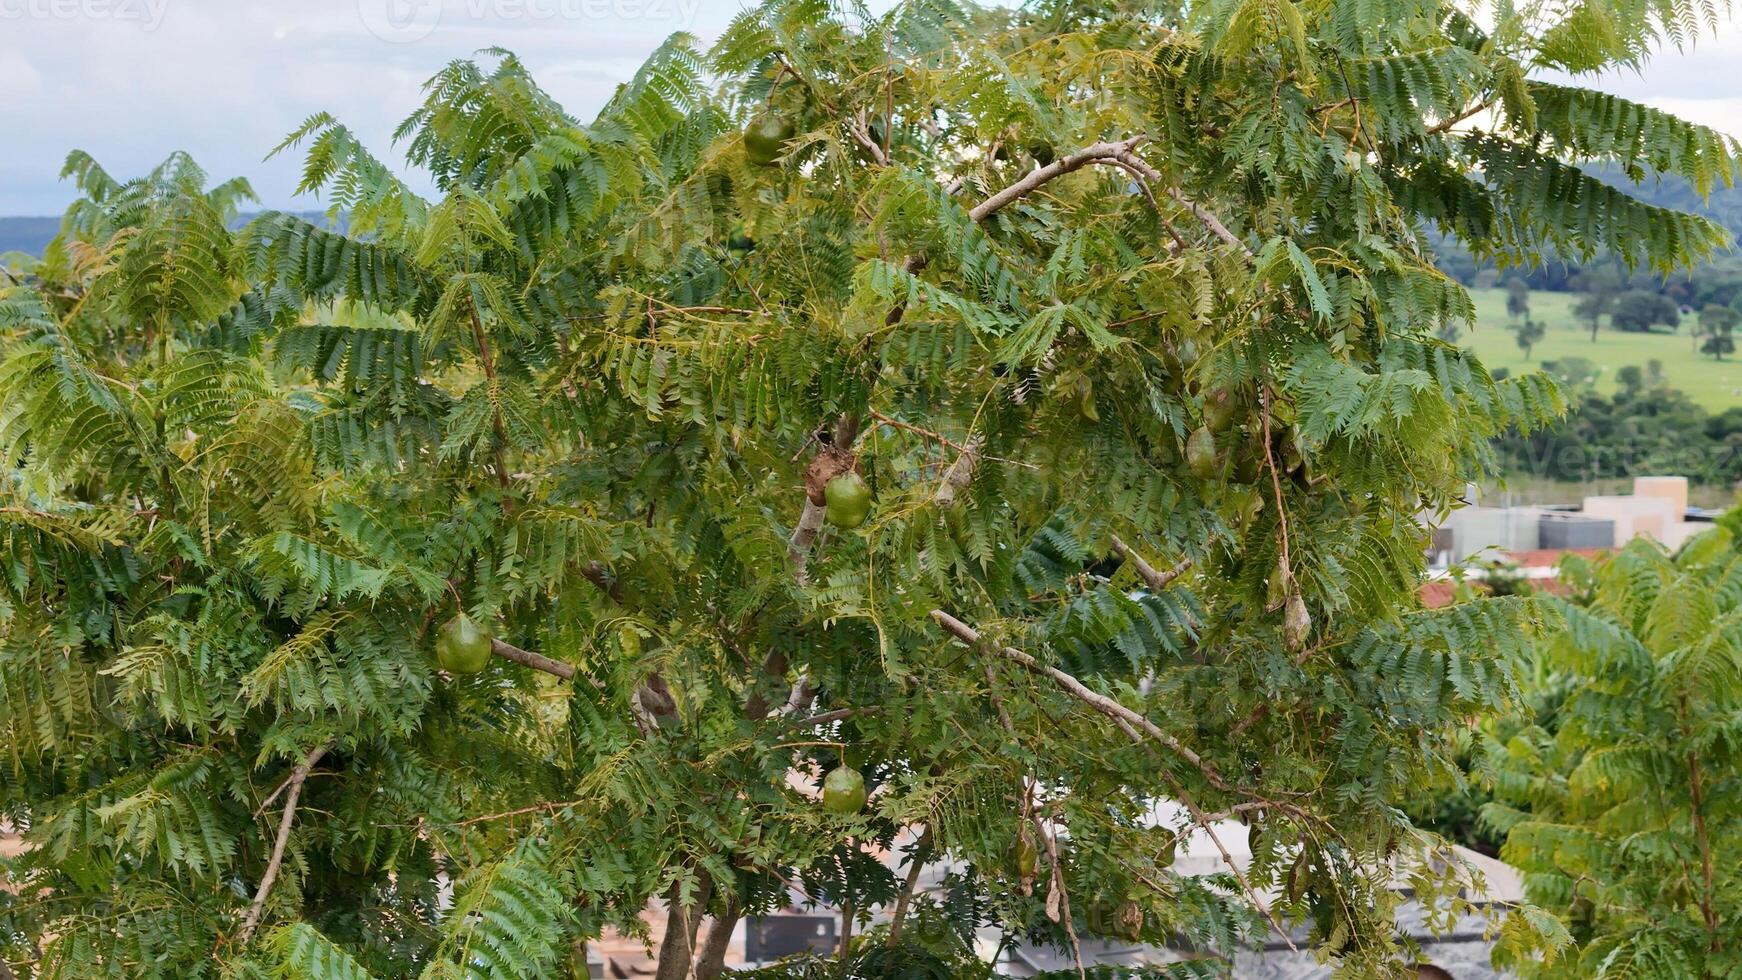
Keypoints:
pixel 1715 385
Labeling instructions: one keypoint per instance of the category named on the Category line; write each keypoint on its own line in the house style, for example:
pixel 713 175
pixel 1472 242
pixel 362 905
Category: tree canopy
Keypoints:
pixel 1124 315
pixel 1619 801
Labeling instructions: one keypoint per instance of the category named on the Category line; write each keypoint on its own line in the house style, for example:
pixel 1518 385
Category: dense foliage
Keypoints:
pixel 1081 292
pixel 1645 426
pixel 1619 800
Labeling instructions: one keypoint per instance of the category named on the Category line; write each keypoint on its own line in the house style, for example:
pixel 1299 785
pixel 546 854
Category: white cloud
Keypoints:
pixel 19 75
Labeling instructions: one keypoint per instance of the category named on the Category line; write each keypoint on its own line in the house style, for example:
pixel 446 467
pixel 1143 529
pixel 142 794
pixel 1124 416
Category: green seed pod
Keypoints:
pixel 848 500
pixel 1027 857
pixel 1201 456
pixel 462 646
pixel 766 139
pixel 844 791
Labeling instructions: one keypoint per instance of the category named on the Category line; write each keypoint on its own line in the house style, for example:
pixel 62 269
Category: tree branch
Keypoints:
pixel 1100 702
pixel 921 854
pixel 1094 153
pixel 527 658
pixel 710 961
pixel 857 128
pixel 829 717
pixel 1210 221
pixel 251 921
pixel 1156 580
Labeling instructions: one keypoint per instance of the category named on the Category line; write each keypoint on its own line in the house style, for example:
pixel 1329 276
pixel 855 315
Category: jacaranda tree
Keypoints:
pixel 1025 412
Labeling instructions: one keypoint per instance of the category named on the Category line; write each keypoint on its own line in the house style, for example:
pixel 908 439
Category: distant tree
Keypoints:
pixel 1638 310
pixel 1598 288
pixel 1449 332
pixel 1528 334
pixel 1592 307
pixel 1576 374
pixel 1720 342
pixel 1717 328
pixel 1517 298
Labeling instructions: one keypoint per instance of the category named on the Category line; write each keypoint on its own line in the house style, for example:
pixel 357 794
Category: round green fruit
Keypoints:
pixel 1220 408
pixel 462 646
pixel 844 791
pixel 1201 456
pixel 848 499
pixel 1041 151
pixel 766 139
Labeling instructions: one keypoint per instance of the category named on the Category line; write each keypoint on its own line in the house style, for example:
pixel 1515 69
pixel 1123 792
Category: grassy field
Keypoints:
pixel 1714 384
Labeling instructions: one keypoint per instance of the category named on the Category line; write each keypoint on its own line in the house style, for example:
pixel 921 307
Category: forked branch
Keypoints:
pixel 293 790
pixel 1156 580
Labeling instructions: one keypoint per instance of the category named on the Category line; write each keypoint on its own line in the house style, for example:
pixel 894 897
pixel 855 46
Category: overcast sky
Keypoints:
pixel 132 80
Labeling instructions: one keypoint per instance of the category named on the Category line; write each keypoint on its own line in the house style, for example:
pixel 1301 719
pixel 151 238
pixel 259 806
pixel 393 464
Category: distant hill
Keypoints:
pixel 32 235
pixel 26 234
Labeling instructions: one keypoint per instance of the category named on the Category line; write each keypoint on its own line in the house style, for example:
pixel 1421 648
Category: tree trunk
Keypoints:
pixel 711 957
pixel 680 931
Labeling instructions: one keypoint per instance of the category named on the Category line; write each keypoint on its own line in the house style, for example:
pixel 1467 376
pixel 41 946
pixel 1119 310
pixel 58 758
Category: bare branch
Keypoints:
pixel 861 135
pixel 830 717
pixel 1210 221
pixel 1094 153
pixel 1156 580
pixel 251 921
pixel 527 658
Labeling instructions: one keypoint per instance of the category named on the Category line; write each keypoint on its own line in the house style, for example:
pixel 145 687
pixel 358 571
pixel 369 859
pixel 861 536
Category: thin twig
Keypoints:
pixel 1446 124
pixel 1100 702
pixel 964 450
pixel 523 811
pixel 251 921
pixel 828 717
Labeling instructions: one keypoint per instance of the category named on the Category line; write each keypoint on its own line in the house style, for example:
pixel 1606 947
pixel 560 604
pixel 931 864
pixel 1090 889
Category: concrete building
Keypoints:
pixel 1657 508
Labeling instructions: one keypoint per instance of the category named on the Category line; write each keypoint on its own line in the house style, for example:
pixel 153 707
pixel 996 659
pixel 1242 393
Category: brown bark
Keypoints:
pixel 529 659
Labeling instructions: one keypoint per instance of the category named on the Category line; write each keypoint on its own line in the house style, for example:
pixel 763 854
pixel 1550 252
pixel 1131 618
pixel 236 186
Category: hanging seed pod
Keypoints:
pixel 766 139
pixel 1130 919
pixel 1201 457
pixel 1276 587
pixel 848 500
pixel 1297 623
pixel 844 791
